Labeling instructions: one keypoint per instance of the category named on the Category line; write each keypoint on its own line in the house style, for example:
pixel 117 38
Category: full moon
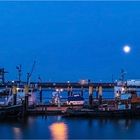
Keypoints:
pixel 126 49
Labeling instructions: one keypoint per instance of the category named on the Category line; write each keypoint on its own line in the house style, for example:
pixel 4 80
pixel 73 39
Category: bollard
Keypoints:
pixel 97 92
pixel 90 95
pixel 69 92
pixel 82 91
pixel 14 91
pixel 40 93
pixel 58 100
pixel 100 94
pixel 26 90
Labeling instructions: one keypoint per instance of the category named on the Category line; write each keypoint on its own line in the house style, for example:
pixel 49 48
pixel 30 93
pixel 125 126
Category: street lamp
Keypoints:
pixel 59 90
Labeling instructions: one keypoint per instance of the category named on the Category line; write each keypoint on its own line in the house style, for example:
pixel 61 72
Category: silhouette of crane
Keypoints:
pixel 123 73
pixel 19 69
pixel 2 75
pixel 29 74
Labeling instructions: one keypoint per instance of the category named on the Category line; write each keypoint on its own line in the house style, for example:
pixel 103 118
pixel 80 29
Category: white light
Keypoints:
pixel 117 95
pixel 123 89
pixel 57 90
pixel 126 49
pixel 17 88
pixel 61 90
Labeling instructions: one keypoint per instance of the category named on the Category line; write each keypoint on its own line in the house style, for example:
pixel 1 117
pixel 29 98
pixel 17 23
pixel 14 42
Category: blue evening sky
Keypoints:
pixel 70 40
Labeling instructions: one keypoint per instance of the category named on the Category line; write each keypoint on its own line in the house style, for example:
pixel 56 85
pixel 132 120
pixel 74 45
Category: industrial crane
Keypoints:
pixel 29 74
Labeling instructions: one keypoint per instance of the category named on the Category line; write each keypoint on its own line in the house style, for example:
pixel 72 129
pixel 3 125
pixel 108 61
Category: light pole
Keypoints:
pixel 58 97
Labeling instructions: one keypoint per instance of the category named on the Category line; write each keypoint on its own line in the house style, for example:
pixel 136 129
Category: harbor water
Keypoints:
pixel 59 128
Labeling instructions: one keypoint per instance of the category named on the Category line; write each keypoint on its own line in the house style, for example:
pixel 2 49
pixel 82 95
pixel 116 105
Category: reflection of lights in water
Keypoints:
pixel 17 132
pixel 125 124
pixel 58 118
pixel 59 131
pixel 31 120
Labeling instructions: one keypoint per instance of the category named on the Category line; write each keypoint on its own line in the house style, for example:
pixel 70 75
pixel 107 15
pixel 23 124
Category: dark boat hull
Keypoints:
pixel 96 113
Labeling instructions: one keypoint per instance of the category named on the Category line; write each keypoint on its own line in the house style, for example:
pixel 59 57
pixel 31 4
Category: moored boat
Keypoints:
pixel 100 113
pixel 75 99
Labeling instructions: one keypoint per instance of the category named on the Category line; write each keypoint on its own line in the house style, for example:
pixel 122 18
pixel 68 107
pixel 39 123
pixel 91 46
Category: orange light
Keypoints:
pixel 59 131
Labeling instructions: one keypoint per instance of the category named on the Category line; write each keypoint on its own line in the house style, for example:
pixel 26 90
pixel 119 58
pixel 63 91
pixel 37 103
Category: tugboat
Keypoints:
pixel 7 97
pixel 21 95
pixel 125 104
pixel 127 108
pixel 4 95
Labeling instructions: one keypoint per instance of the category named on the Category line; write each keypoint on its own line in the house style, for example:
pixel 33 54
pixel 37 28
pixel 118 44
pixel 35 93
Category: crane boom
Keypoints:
pixel 31 72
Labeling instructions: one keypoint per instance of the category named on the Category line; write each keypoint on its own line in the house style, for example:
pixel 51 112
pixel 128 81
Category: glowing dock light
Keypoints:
pixel 123 89
pixel 83 82
pixel 117 95
pixel 59 90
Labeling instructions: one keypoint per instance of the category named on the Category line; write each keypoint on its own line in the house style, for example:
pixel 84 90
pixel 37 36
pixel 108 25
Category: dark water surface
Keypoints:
pixel 57 127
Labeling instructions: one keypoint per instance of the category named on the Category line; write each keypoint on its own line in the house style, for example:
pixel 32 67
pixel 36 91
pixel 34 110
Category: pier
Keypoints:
pixel 40 108
pixel 76 85
pixel 18 105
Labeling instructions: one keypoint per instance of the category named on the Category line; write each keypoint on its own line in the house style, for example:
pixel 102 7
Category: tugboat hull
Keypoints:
pixel 96 113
